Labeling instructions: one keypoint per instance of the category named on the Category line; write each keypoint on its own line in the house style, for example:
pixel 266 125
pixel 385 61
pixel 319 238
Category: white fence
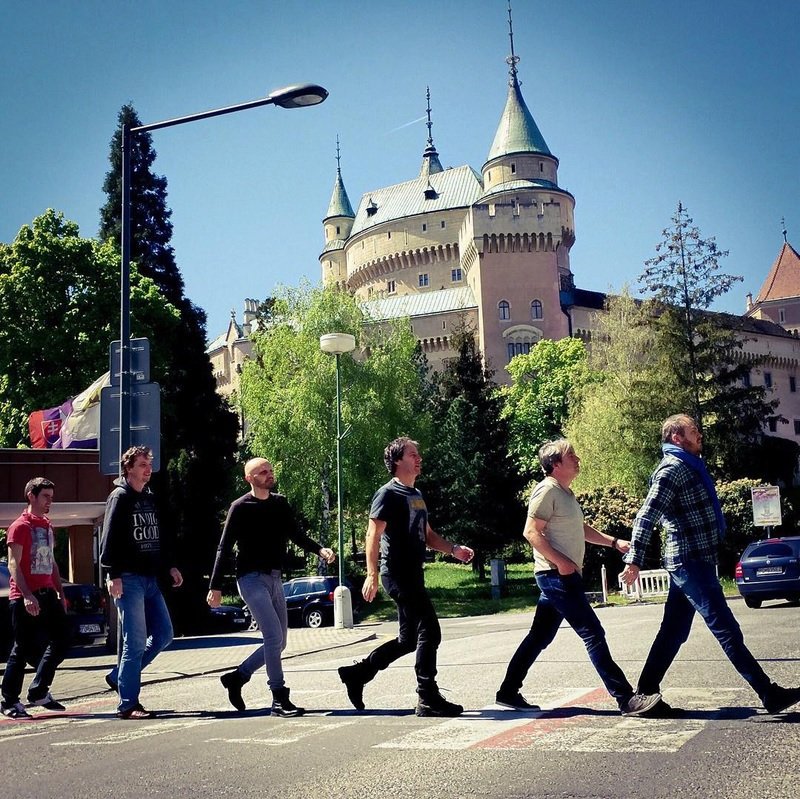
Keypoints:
pixel 653 582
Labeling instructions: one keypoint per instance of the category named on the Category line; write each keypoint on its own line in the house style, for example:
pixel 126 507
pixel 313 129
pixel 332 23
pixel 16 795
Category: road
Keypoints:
pixel 578 747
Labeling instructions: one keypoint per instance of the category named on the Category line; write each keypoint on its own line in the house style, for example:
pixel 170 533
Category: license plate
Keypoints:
pixel 769 570
pixel 240 621
pixel 88 628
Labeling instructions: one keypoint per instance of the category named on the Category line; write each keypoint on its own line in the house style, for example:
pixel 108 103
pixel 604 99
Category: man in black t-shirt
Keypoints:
pixel 260 524
pixel 399 530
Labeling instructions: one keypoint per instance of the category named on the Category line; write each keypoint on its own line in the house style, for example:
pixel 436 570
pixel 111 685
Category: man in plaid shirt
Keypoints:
pixel 682 497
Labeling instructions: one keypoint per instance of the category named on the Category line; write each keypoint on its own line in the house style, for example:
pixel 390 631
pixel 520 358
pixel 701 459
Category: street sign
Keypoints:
pixel 145 424
pixel 140 361
pixel 766 506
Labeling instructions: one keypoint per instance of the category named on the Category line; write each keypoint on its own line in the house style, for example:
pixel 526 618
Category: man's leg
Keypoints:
pixel 23 626
pixel 257 591
pixel 158 622
pixel 53 620
pixel 133 626
pixel 676 624
pixel 429 636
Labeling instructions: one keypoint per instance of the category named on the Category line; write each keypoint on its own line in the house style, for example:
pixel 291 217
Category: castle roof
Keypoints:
pixel 517 131
pixel 340 202
pixel 783 280
pixel 457 187
pixel 423 304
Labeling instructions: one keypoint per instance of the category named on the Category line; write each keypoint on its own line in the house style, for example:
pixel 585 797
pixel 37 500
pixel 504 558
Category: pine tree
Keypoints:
pixel 199 430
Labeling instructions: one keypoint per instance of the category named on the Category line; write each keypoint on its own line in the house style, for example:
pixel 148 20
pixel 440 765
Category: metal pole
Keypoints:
pixel 124 292
pixel 339 471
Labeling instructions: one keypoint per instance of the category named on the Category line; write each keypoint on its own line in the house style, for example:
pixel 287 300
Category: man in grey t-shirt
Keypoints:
pixel 558 534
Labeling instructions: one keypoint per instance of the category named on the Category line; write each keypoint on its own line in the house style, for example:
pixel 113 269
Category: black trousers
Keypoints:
pixel 419 630
pixel 41 640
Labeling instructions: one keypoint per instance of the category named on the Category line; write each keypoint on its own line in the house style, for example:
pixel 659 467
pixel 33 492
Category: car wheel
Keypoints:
pixel 253 626
pixel 752 602
pixel 313 618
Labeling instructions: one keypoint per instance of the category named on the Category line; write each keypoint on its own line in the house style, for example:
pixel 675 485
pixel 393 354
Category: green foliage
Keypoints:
pixel 538 400
pixel 59 310
pixel 288 395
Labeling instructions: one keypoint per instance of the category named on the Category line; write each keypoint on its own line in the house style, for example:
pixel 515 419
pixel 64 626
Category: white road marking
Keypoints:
pixel 136 732
pixel 294 731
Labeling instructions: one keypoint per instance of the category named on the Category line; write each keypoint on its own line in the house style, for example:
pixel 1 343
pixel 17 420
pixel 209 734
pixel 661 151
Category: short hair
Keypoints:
pixel 130 455
pixel 394 452
pixel 36 485
pixel 552 453
pixel 675 425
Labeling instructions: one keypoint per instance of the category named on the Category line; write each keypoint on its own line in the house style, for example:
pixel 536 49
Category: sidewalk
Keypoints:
pixel 82 673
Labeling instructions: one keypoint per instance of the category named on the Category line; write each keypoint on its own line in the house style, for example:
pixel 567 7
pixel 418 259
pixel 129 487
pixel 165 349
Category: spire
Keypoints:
pixel 340 203
pixel 785 232
pixel 430 158
pixel 517 131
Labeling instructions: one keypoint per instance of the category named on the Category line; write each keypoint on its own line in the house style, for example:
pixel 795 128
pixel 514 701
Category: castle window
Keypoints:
pixel 389 234
pixel 424 280
pixel 391 287
pixel 797 427
pixel 503 310
pixel 772 424
pixel 489 176
pixel 792 384
pixel 781 315
pixel 338 231
pixel 513 168
pixel 456 274
pixel 768 379
pixel 536 309
pixel 541 166
pixel 746 382
pixel 518 348
pixel 424 227
pixel 443 223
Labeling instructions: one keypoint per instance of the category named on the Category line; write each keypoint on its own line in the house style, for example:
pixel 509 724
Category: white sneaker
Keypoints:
pixel 640 703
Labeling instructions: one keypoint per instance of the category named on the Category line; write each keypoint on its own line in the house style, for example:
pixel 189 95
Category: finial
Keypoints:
pixel 513 59
pixel 338 157
pixel 783 225
pixel 429 123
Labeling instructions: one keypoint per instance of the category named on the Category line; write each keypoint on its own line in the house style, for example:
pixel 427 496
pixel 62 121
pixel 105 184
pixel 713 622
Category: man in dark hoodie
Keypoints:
pixel 135 555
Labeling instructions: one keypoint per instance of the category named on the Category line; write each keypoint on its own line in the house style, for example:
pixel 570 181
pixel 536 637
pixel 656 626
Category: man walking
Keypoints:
pixel 135 551
pixel 260 524
pixel 38 615
pixel 399 529
pixel 556 531
pixel 682 497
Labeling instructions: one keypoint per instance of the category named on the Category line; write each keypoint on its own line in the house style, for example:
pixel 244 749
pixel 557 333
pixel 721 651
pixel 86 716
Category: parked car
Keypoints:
pixel 229 618
pixel 309 600
pixel 769 569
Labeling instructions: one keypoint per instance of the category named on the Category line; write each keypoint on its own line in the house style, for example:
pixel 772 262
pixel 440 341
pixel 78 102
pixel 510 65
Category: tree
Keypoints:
pixel 536 403
pixel 685 279
pixel 470 481
pixel 199 431
pixel 58 312
pixel 288 395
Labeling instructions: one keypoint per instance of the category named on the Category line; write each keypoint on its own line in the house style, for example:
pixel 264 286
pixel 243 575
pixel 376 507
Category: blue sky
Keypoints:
pixel 645 103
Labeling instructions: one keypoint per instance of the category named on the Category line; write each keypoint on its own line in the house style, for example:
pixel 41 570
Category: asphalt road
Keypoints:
pixel 578 747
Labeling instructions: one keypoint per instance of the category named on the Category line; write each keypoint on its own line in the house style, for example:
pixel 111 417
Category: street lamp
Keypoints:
pixel 295 96
pixel 337 344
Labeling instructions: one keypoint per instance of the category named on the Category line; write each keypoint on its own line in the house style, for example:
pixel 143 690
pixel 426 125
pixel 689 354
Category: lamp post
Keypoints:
pixel 296 96
pixel 336 344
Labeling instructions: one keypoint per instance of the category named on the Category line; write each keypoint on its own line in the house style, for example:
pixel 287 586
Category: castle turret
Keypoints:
pixel 338 223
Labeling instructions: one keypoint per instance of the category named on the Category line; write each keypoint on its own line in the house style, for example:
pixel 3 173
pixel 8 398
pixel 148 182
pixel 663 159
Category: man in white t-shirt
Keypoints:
pixel 556 531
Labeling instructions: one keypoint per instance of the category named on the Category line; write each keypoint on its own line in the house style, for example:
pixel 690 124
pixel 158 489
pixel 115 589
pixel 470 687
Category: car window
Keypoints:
pixel 771 550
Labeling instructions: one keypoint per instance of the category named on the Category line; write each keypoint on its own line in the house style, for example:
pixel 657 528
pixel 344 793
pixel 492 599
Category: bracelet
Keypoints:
pixel 614 543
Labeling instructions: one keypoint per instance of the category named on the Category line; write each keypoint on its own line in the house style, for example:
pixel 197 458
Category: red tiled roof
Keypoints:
pixel 783 280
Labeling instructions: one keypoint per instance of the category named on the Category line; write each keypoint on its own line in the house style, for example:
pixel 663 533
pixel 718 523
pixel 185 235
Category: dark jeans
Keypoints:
pixel 41 640
pixel 694 588
pixel 419 630
pixel 564 597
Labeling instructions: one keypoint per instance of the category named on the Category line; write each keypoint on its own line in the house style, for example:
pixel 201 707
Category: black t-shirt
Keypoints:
pixel 403 541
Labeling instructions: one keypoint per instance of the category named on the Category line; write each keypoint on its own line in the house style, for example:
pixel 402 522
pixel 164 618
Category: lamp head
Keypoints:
pixel 337 343
pixel 298 95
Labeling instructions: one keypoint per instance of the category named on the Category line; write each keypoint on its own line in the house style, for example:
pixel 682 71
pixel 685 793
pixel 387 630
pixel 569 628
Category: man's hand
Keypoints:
pixel 177 577
pixel 370 588
pixel 630 574
pixel 566 567
pixel 462 553
pixel 214 598
pixel 327 554
pixel 32 605
pixel 114 587
pixel 623 546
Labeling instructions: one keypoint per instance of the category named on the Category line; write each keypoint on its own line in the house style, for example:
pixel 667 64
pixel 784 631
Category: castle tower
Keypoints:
pixel 338 223
pixel 516 238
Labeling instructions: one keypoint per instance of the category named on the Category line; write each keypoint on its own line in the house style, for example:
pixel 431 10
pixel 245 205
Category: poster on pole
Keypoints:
pixel 766 506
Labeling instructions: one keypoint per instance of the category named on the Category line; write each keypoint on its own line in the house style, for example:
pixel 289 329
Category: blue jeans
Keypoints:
pixel 694 588
pixel 564 597
pixel 264 596
pixel 146 630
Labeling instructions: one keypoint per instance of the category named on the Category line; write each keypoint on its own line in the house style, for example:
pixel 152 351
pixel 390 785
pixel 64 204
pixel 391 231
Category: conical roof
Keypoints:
pixel 340 202
pixel 783 280
pixel 517 131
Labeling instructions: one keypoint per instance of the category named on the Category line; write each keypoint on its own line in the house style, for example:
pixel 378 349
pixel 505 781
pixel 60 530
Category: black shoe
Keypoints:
pixel 282 705
pixel 515 701
pixel 111 683
pixel 353 680
pixel 47 702
pixel 661 710
pixel 781 699
pixel 233 682
pixel 437 705
pixel 14 710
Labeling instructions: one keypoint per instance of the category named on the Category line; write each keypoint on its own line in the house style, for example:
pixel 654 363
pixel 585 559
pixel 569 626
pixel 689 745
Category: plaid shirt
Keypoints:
pixel 678 499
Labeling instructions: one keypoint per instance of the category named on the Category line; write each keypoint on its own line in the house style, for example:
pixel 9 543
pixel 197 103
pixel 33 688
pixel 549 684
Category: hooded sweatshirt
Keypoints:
pixel 132 539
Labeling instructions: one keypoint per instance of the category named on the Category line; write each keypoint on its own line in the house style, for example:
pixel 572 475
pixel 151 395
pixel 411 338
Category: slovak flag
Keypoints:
pixel 45 427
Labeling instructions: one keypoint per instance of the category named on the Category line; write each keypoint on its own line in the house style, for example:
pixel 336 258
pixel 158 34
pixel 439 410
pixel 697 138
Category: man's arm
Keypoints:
pixel 15 568
pixel 435 541
pixel 375 530
pixel 226 542
pixel 534 533
pixel 593 536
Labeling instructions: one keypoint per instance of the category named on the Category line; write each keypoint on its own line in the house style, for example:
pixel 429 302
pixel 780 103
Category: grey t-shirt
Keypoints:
pixel 557 506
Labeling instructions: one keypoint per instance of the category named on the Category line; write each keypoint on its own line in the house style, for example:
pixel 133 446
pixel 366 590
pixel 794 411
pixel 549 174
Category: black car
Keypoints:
pixel 228 618
pixel 309 600
pixel 769 569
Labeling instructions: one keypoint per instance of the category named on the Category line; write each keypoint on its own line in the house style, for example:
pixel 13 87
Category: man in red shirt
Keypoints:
pixel 38 613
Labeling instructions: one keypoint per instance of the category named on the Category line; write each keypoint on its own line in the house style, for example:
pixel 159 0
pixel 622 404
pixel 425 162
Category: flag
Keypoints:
pixel 44 427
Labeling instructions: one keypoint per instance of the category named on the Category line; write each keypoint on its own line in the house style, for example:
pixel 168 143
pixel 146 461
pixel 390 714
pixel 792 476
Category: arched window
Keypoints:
pixel 504 310
pixel 536 309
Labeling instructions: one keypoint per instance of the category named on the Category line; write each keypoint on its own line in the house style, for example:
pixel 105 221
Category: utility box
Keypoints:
pixel 498 569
